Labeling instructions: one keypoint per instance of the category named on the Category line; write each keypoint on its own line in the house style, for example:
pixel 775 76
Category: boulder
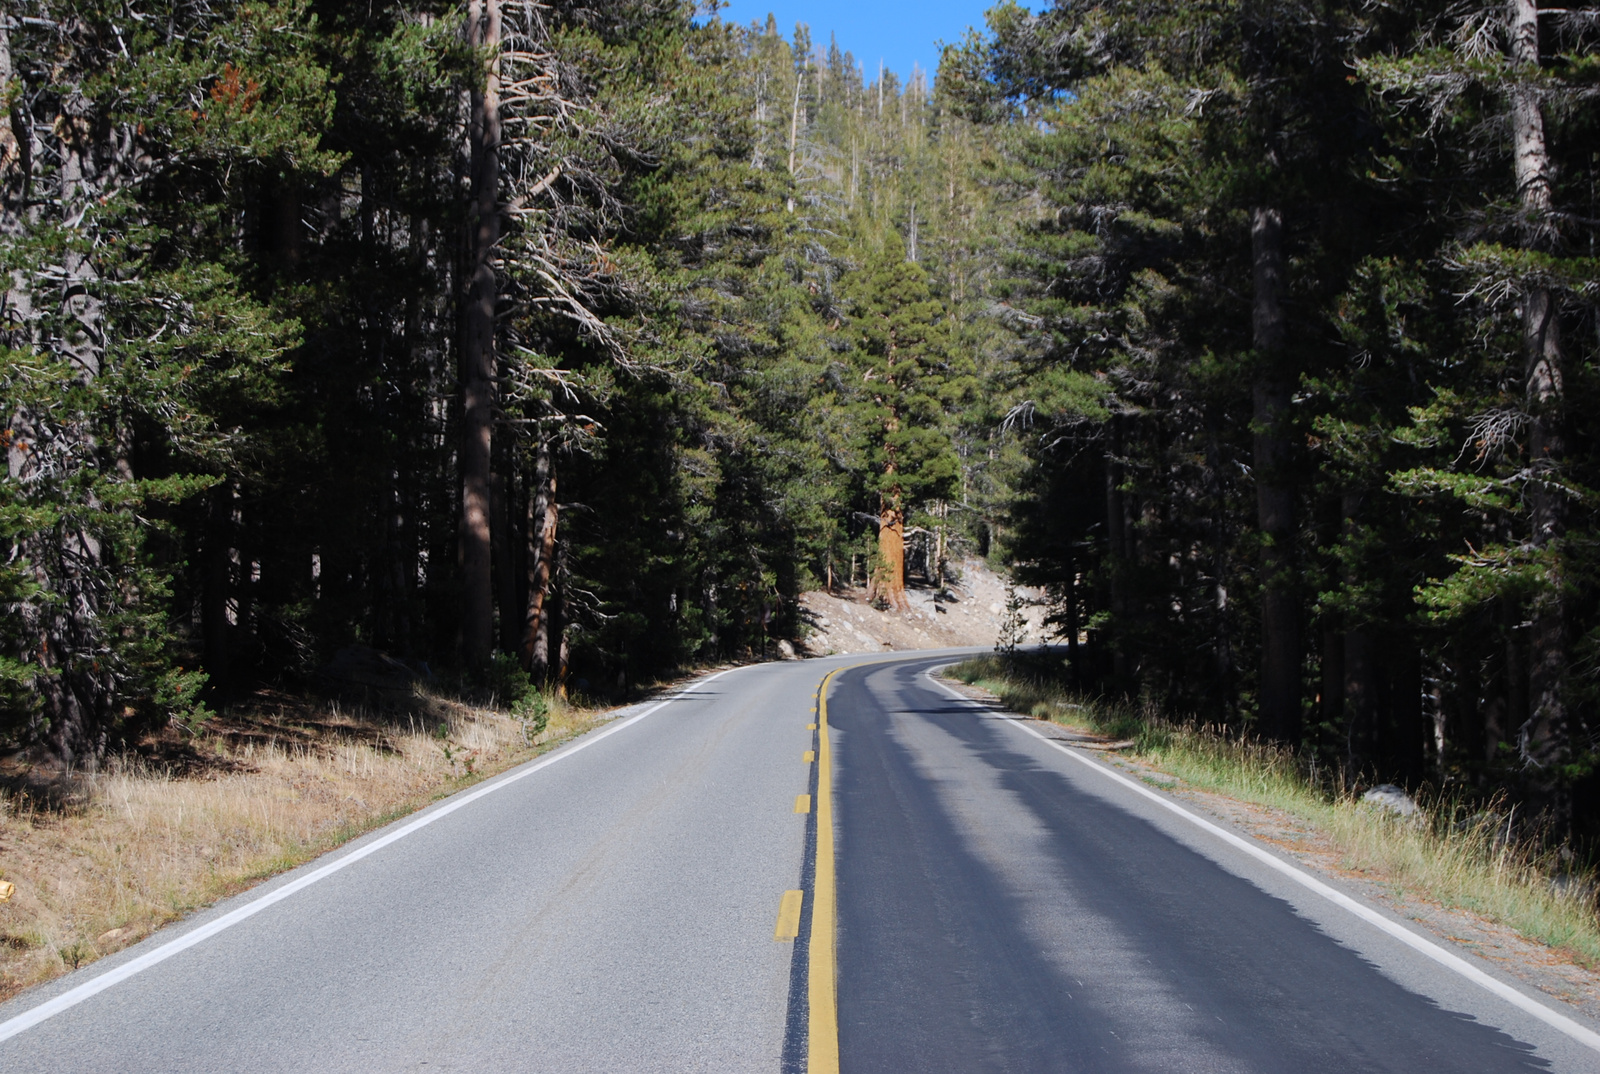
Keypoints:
pixel 1388 796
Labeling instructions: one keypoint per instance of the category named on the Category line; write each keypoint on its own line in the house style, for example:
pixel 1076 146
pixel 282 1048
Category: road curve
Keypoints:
pixel 621 906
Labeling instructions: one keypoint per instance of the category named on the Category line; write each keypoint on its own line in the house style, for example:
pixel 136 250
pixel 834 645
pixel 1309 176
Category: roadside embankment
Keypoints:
pixel 1447 866
pixel 971 608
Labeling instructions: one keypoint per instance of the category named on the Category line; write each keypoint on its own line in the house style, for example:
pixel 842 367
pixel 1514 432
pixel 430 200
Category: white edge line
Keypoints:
pixel 72 997
pixel 1576 1031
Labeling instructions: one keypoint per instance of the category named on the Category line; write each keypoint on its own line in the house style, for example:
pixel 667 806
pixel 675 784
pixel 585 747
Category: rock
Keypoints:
pixel 113 935
pixel 1392 798
pixel 785 649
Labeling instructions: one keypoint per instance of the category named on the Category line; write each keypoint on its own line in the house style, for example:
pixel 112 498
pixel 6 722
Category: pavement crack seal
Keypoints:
pixel 1556 1020
pixel 95 985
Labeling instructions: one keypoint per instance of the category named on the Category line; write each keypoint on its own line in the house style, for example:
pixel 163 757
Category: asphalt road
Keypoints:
pixel 991 902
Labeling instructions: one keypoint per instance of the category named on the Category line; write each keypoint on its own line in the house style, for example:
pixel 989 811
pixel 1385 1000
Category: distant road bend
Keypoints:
pixel 740 879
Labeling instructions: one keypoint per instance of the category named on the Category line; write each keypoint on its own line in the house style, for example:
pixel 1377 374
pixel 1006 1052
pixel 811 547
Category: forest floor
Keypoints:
pixel 965 613
pixel 100 860
pixel 1330 851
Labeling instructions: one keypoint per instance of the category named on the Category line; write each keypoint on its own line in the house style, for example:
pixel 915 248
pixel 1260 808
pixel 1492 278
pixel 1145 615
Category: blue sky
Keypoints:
pixel 899 31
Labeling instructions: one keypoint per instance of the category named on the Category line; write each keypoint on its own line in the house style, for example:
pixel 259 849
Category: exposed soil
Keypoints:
pixel 964 613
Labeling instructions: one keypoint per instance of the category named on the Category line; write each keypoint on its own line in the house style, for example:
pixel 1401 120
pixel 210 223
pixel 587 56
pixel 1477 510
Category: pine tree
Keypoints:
pixel 905 369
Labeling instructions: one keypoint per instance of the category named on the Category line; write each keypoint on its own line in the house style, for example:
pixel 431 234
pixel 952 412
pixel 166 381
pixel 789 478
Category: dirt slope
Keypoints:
pixel 965 613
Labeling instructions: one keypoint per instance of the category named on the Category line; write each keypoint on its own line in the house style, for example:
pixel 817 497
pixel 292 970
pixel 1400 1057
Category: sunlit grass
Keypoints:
pixel 1451 852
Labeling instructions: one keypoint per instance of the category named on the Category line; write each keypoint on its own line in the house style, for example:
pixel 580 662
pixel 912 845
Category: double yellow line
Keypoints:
pixel 822 1031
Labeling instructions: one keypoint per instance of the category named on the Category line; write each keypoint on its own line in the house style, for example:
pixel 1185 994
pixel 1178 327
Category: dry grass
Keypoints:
pixel 136 845
pixel 1451 853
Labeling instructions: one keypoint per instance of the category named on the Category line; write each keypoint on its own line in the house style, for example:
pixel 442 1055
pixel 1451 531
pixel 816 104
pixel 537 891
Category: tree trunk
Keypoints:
pixel 1407 750
pixel 543 516
pixel 1360 700
pixel 1117 541
pixel 1332 708
pixel 1544 739
pixel 890 580
pixel 79 695
pixel 10 148
pixel 713 616
pixel 1360 708
pixel 508 613
pixel 557 612
pixel 1279 698
pixel 1222 644
pixel 794 125
pixel 1074 655
pixel 214 620
pixel 478 344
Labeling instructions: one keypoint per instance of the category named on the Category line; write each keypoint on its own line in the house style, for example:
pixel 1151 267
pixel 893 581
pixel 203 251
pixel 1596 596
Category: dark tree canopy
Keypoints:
pixel 586 337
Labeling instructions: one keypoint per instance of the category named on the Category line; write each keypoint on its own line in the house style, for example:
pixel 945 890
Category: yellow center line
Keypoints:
pixel 802 803
pixel 789 916
pixel 823 1029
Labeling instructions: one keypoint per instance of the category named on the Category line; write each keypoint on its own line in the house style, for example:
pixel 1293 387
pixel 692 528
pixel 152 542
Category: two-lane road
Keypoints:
pixel 976 898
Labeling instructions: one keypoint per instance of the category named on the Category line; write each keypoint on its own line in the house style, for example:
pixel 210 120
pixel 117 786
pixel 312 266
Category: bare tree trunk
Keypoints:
pixel 713 617
pixel 760 120
pixel 543 515
pixel 1544 740
pixel 10 141
pixel 478 344
pixel 794 122
pixel 1279 698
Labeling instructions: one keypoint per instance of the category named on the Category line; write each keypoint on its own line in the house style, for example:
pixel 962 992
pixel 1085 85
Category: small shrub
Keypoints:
pixel 533 709
pixel 507 681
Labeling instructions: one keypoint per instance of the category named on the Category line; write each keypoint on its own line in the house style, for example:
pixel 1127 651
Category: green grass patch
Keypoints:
pixel 1454 851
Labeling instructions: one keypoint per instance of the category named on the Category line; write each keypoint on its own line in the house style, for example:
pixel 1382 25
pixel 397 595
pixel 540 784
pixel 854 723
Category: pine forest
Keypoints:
pixel 569 343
